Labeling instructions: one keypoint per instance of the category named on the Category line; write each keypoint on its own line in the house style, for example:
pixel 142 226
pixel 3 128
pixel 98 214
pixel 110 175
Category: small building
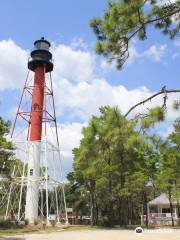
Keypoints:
pixel 159 211
pixel 75 218
pixel 71 216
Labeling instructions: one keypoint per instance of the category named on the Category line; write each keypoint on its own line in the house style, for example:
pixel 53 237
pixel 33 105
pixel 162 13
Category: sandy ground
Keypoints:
pixel 164 234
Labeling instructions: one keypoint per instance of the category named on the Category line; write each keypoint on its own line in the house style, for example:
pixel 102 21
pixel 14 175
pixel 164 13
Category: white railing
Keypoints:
pixel 161 215
pixel 160 219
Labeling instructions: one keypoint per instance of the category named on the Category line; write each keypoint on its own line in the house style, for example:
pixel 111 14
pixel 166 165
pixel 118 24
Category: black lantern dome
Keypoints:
pixel 41 55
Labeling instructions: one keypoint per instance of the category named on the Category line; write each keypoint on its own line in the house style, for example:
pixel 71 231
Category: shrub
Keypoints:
pixel 105 222
pixel 53 223
pixel 7 224
pixel 36 222
pixel 26 222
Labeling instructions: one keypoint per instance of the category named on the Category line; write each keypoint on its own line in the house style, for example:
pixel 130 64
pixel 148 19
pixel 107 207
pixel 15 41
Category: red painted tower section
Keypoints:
pixel 37 104
pixel 40 63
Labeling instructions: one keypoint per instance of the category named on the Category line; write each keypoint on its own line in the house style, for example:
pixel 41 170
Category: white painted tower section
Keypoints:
pixel 32 197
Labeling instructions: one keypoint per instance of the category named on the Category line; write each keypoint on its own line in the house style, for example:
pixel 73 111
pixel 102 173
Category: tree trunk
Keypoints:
pixel 178 211
pixel 146 209
pixel 97 215
pixel 144 206
pixel 92 208
pixel 119 210
pixel 92 204
pixel 142 209
pixel 171 206
pixel 178 206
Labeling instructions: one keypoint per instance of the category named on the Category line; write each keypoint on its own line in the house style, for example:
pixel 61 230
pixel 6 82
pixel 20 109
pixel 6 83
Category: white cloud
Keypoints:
pixel 175 55
pixel 70 136
pixel 70 133
pixel 84 99
pixel 79 43
pixel 133 54
pixel 106 66
pixel 177 43
pixel 162 2
pixel 77 89
pixel 75 65
pixel 167 1
pixel 175 17
pixel 13 61
pixel 155 53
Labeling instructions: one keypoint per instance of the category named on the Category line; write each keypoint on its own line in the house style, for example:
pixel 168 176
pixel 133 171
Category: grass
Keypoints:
pixel 39 229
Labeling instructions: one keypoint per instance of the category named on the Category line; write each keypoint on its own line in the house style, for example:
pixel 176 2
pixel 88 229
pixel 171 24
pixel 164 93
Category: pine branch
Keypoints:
pixel 152 21
pixel 163 91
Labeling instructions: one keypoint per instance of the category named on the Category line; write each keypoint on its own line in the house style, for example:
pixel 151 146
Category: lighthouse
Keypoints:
pixel 40 63
pixel 37 182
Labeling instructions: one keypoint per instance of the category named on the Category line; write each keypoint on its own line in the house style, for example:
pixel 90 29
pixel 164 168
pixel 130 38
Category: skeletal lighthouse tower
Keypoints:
pixel 37 181
pixel 40 63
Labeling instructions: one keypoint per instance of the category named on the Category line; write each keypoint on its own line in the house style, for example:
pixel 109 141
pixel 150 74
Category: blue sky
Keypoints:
pixel 62 21
pixel 56 20
pixel 83 81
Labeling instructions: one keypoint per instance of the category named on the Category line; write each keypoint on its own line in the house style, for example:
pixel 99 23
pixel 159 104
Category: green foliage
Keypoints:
pixel 123 20
pixel 5 148
pixel 168 174
pixel 7 224
pixel 175 135
pixel 8 164
pixel 154 115
pixel 119 168
pixel 113 163
pixel 176 105
pixel 53 223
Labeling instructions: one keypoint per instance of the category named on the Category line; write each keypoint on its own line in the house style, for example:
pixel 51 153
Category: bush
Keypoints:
pixel 53 223
pixel 26 222
pixel 7 224
pixel 36 222
pixel 105 222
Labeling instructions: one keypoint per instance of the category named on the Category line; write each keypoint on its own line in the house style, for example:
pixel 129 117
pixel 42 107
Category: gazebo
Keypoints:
pixel 159 211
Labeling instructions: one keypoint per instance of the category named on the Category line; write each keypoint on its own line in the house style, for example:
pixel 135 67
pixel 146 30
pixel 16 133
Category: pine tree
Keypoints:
pixel 6 148
pixel 114 163
pixel 125 19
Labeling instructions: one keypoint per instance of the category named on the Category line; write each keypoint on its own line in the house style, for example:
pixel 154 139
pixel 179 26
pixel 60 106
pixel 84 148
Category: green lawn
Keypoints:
pixel 39 229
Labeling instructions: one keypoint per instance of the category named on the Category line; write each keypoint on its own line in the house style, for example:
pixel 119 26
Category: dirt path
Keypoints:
pixel 164 234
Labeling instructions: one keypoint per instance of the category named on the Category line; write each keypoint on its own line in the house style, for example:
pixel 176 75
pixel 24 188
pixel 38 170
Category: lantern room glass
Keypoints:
pixel 42 45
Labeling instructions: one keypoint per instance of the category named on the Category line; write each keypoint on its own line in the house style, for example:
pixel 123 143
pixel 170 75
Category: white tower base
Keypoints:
pixel 41 185
pixel 32 197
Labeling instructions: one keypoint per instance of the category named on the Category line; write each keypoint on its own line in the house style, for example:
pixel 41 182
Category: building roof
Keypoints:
pixel 162 199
